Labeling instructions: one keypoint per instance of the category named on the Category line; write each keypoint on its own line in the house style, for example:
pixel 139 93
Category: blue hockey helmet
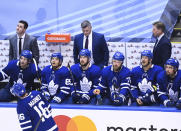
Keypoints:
pixel 172 62
pixel 58 55
pixel 118 56
pixel 147 53
pixel 18 89
pixel 85 52
pixel 27 54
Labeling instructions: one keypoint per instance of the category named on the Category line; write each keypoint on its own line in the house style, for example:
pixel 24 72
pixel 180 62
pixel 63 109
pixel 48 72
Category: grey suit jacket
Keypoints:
pixel 30 43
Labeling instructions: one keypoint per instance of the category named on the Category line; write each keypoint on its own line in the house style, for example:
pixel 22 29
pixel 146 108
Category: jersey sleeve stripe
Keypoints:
pixel 22 123
pixel 64 87
pixel 101 85
pixel 4 75
pixel 27 127
pixel 65 92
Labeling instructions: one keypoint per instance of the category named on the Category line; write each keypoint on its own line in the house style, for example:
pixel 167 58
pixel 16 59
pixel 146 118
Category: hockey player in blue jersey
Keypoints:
pixel 143 80
pixel 56 80
pixel 169 84
pixel 18 71
pixel 34 111
pixel 115 82
pixel 86 78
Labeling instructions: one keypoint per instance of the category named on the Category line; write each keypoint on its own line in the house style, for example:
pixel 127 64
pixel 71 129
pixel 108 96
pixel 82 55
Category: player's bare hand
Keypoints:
pixel 96 91
pixel 139 101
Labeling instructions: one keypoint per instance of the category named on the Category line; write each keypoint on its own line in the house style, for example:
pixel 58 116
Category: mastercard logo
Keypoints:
pixel 77 123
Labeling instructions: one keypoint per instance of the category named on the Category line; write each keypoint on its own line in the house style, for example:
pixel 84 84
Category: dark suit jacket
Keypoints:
pixel 162 52
pixel 99 48
pixel 30 43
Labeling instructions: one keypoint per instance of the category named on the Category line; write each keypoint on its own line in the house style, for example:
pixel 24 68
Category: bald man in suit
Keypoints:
pixel 22 41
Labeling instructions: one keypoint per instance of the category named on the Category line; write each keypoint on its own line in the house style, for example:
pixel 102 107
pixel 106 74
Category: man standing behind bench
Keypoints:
pixel 162 48
pixel 22 41
pixel 93 41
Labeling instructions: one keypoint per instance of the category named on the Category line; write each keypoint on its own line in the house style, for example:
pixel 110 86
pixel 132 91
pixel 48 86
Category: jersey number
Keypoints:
pixel 43 112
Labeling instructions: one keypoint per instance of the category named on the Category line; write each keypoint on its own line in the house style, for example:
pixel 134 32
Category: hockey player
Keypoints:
pixel 34 111
pixel 56 80
pixel 19 71
pixel 143 80
pixel 115 81
pixel 86 78
pixel 169 84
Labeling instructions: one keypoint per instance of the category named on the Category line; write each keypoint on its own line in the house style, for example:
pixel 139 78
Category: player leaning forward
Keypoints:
pixel 22 70
pixel 34 111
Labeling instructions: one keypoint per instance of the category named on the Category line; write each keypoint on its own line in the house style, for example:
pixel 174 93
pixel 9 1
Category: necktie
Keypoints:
pixel 86 42
pixel 156 43
pixel 20 46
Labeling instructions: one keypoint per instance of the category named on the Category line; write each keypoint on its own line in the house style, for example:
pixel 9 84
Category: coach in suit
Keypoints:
pixel 22 41
pixel 93 41
pixel 162 48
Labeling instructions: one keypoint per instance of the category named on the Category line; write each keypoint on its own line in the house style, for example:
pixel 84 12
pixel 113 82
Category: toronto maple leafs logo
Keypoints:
pixel 85 84
pixel 144 85
pixel 52 87
pixel 173 95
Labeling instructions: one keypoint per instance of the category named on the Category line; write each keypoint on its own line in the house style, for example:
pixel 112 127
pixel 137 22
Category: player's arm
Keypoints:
pixel 134 86
pixel 102 86
pixel 24 119
pixel 125 86
pixel 44 86
pixel 5 73
pixel 95 81
pixel 64 90
pixel 161 92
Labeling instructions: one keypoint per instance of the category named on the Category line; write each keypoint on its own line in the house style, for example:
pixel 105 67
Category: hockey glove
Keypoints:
pixel 114 95
pixel 76 97
pixel 84 99
pixel 56 100
pixel 118 101
pixel 170 104
pixel 178 104
pixel 46 95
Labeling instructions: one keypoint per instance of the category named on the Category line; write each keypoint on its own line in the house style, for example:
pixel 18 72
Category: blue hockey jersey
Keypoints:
pixel 17 74
pixel 137 77
pixel 31 109
pixel 115 81
pixel 60 77
pixel 86 81
pixel 169 89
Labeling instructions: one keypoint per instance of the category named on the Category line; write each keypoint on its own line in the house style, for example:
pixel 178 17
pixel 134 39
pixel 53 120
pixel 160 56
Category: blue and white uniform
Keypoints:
pixel 169 89
pixel 116 85
pixel 142 82
pixel 85 82
pixel 18 75
pixel 56 83
pixel 30 110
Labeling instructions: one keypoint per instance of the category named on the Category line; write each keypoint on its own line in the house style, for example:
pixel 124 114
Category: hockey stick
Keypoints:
pixel 38 75
pixel 115 87
pixel 72 77
pixel 37 125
